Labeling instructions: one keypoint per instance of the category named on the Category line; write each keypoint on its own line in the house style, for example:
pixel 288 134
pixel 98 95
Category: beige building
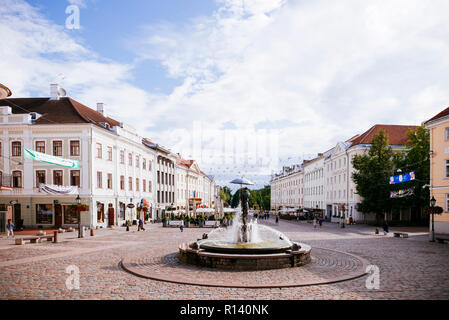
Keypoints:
pixel 438 127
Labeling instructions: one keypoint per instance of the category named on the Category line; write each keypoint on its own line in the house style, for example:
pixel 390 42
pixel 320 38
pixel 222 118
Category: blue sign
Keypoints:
pixel 403 178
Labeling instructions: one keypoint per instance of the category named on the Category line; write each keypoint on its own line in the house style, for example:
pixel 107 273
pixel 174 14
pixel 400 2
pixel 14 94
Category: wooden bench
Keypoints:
pixel 49 237
pixel 401 235
pixel 441 238
pixel 36 239
pixel 21 241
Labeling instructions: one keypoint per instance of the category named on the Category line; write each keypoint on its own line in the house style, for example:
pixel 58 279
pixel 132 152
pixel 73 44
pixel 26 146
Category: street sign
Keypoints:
pixel 43 157
pixel 403 178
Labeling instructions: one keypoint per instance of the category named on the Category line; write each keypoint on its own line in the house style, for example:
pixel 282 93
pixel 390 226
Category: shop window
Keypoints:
pixel 44 214
pixel 71 215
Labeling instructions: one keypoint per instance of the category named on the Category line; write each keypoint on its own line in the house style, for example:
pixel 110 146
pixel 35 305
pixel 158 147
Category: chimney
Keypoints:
pixel 54 92
pixel 100 109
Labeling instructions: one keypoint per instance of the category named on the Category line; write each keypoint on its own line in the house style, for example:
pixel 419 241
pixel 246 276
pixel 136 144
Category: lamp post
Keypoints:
pixel 78 202
pixel 432 206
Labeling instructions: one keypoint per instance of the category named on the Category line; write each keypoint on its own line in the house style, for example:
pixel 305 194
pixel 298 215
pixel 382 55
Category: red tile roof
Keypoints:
pixel 397 134
pixel 442 114
pixel 64 110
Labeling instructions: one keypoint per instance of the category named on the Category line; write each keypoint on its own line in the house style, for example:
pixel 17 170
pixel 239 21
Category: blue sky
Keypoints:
pixel 108 25
pixel 265 83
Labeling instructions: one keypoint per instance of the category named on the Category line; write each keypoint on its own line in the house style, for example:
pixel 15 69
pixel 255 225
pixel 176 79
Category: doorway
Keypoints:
pixel 58 215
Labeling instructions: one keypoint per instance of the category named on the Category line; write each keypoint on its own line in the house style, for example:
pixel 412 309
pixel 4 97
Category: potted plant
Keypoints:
pixel 164 221
pixel 201 220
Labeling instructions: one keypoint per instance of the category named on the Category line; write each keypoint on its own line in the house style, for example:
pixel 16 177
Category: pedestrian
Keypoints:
pixel 320 222
pixel 140 227
pixel 385 227
pixel 314 223
pixel 10 228
pixel 351 220
pixel 181 227
pixel 277 219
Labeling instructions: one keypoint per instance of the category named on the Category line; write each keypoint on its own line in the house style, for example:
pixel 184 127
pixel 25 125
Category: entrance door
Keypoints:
pixel 58 215
pixel 17 213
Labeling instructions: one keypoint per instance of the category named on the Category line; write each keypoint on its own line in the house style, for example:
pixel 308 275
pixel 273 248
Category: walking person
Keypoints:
pixel 385 227
pixel 314 223
pixel 181 227
pixel 277 219
pixel 351 220
pixel 320 222
pixel 140 227
pixel 10 228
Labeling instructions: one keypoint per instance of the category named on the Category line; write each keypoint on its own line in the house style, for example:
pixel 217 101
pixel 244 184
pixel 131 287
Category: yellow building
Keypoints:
pixel 439 167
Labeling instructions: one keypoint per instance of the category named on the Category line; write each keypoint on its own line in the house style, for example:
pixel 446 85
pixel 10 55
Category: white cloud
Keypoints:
pixel 334 67
pixel 330 69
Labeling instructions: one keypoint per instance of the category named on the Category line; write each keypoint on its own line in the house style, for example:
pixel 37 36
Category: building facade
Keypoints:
pixel 115 168
pixel 287 189
pixel 438 127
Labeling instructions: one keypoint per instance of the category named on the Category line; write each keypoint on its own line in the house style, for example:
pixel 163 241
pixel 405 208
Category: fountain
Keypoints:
pixel 246 246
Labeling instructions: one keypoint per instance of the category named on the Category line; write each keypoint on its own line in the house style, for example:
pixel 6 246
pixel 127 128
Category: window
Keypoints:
pixel 109 180
pixel 75 148
pixel 17 179
pixel 122 182
pixel 150 165
pixel 57 148
pixel 447 168
pixel 99 179
pixel 137 184
pixel 144 163
pixel 71 215
pixel 446 134
pixel 122 157
pixel 16 149
pixel 75 178
pixel 447 203
pixel 130 159
pixel 99 151
pixel 40 177
pixel 44 214
pixel 57 177
pixel 130 183
pixel 40 146
pixel 109 153
pixel 144 185
pixel 150 186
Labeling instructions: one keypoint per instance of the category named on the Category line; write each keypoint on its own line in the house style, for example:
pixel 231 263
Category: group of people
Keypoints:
pixel 318 221
pixel 262 215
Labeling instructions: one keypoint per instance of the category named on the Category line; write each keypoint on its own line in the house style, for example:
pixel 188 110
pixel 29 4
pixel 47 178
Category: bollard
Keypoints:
pixel 56 234
pixel 91 232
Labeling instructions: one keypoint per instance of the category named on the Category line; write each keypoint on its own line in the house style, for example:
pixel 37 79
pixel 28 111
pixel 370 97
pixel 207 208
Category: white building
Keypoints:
pixel 193 187
pixel 287 189
pixel 314 198
pixel 115 168
pixel 341 195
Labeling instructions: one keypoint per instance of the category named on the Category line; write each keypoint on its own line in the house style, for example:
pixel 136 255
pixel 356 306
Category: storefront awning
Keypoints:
pixel 58 190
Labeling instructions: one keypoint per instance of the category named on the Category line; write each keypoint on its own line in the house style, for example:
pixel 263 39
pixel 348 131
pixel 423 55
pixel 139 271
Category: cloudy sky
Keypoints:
pixel 243 86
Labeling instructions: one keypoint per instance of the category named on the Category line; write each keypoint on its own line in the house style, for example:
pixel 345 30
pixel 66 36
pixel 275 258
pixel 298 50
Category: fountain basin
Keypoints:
pixel 244 260
pixel 262 247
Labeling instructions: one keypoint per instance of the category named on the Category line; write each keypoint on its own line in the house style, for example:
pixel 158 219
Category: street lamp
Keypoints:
pixel 432 206
pixel 78 202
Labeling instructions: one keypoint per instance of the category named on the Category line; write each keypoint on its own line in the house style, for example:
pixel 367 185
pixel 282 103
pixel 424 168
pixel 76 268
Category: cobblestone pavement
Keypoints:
pixel 410 268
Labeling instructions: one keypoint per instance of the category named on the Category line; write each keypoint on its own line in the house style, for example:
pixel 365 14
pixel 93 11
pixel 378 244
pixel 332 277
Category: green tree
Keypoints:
pixel 372 172
pixel 415 159
pixel 225 195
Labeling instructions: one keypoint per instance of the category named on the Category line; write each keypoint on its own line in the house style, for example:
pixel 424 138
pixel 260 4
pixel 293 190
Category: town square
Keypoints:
pixel 213 151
